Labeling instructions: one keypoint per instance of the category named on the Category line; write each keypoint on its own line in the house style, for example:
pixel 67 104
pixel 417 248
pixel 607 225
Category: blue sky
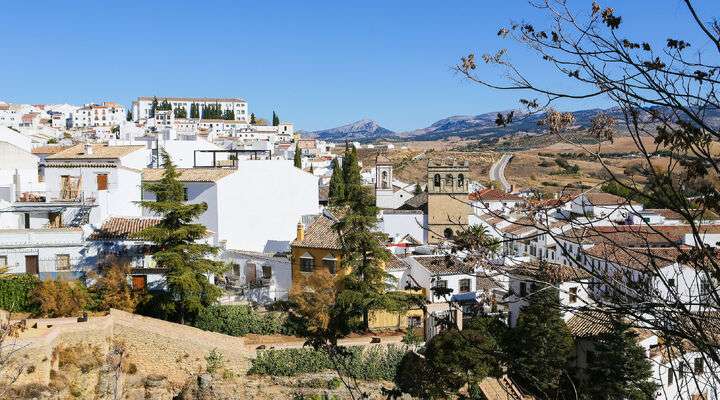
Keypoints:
pixel 318 63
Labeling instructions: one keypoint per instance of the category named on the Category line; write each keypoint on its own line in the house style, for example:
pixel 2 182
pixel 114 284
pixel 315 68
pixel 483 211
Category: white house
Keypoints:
pixel 106 178
pixel 96 115
pixel 389 192
pixel 253 207
pixel 257 277
pixel 8 115
pixel 404 226
pixel 494 201
pixel 142 107
pixel 604 206
pixel 528 275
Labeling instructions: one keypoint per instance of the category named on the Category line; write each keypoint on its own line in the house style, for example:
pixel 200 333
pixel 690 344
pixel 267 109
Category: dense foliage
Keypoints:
pixel 15 292
pixel 366 363
pixel 56 299
pixel 239 320
pixel 336 191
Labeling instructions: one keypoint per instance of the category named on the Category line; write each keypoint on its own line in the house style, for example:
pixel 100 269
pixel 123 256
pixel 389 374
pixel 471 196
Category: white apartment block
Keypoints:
pixel 97 115
pixel 142 107
pixel 8 115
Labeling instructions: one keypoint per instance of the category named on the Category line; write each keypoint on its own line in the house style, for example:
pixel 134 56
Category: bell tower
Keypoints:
pixel 448 203
pixel 383 182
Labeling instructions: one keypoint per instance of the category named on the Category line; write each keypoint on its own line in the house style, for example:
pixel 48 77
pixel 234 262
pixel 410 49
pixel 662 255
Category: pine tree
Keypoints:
pixel 620 369
pixel 275 119
pixel 175 246
pixel 337 184
pixel 297 158
pixel 540 345
pixel 252 118
pixel 129 116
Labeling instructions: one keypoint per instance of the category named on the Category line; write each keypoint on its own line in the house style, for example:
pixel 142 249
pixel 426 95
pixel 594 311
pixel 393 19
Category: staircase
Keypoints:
pixel 81 217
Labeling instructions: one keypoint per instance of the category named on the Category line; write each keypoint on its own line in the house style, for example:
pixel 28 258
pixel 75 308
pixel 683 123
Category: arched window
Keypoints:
pixel 307 263
pixel 448 233
pixel 461 180
pixel 436 180
pixel 449 180
pixel 384 180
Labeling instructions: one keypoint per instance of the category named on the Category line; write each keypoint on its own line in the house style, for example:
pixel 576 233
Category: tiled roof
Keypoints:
pixel 395 263
pixel 637 258
pixel 381 159
pixel 49 149
pixel 589 323
pixel 490 194
pixel 444 265
pixel 636 235
pixel 189 174
pixel 416 202
pixel 306 143
pixel 320 233
pixel 122 228
pixel 98 151
pixel 666 213
pixel 501 389
pixel 605 199
pixel 550 272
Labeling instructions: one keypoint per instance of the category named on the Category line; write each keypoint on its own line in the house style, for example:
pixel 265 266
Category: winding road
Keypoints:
pixel 497 171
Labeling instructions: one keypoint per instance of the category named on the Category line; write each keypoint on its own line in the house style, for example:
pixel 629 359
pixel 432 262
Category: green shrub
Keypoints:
pixel 15 292
pixel 239 320
pixel 369 363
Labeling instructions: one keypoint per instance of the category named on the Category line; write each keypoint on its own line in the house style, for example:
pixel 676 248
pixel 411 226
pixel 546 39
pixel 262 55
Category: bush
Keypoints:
pixel 239 320
pixel 215 361
pixel 15 292
pixel 60 298
pixel 367 363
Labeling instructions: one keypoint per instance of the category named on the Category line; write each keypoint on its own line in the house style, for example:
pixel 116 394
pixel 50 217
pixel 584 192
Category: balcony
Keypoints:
pixel 68 196
pixel 32 238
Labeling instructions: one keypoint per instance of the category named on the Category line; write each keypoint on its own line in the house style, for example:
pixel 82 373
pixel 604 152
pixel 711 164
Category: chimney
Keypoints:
pixel 300 232
pixel 88 149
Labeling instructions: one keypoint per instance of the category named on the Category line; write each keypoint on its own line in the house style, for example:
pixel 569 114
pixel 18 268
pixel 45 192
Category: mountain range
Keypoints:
pixel 468 126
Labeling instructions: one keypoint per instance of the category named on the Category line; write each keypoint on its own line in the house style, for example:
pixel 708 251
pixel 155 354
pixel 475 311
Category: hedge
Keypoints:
pixel 15 292
pixel 239 320
pixel 369 363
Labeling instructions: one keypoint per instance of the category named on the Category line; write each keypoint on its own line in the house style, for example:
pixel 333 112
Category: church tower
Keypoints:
pixel 448 203
pixel 383 182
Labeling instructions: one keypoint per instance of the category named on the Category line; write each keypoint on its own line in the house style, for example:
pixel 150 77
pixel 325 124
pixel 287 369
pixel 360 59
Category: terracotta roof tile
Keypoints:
pixel 189 174
pixel 444 265
pixel 122 228
pixel 550 271
pixel 490 194
pixel 49 149
pixel 320 233
pixel 98 151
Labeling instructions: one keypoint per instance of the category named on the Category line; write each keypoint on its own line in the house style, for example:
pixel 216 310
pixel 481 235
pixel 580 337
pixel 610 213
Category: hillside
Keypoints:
pixel 363 130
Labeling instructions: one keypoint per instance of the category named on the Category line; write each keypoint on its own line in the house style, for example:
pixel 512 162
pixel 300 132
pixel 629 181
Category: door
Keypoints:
pixel 250 272
pixel 139 281
pixel 102 181
pixel 31 265
pixel 27 220
pixel 55 219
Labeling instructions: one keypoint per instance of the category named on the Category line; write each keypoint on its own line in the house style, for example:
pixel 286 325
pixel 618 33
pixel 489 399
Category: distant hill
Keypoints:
pixel 364 130
pixel 476 126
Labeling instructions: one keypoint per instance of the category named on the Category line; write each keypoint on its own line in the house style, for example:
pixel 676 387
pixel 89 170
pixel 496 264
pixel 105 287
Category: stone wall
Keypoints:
pixel 154 346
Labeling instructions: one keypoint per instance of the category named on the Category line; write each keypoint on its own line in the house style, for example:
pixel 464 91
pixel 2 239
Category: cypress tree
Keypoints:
pixel 417 190
pixel 275 119
pixel 297 158
pixel 540 346
pixel 153 107
pixel 620 369
pixel 351 171
pixel 252 118
pixel 129 116
pixel 175 248
pixel 337 184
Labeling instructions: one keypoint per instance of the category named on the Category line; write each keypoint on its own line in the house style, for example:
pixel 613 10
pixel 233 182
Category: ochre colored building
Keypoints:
pixel 448 203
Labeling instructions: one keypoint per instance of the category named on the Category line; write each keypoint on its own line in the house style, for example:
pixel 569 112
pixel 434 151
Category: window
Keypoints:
pixel 384 180
pixel 464 285
pixel 102 181
pixel 448 233
pixel 413 321
pixel 461 180
pixel 329 262
pixel 27 220
pixel 671 373
pixel 3 261
pixel 699 366
pixel 573 294
pixel 436 180
pixel 267 271
pixel 449 180
pixel 441 284
pixel 185 194
pixel 62 262
pixel 523 289
pixel 307 263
